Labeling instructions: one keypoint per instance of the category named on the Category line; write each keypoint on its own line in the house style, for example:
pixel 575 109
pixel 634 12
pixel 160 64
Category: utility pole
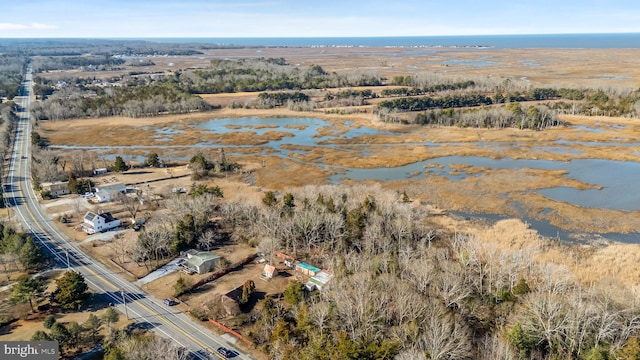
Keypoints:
pixel 124 301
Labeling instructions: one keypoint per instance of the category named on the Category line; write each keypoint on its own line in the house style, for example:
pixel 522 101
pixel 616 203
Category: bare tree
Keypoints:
pixel 268 246
pixel 451 285
pixel 8 262
pixel 120 247
pixel 153 242
pixel 444 336
pixel 131 203
pixel 494 346
pixel 207 239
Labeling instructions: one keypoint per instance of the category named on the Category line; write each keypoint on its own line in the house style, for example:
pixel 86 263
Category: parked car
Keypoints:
pixel 170 302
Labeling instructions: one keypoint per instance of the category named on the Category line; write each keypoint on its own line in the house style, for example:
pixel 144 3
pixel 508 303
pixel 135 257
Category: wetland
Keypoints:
pixel 577 177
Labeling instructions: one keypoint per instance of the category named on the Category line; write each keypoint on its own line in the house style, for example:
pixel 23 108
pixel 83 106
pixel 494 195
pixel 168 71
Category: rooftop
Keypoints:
pixel 304 265
pixel 201 257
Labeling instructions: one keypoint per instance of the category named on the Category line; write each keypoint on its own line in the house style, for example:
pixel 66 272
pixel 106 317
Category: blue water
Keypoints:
pixel 618 178
pixel 618 40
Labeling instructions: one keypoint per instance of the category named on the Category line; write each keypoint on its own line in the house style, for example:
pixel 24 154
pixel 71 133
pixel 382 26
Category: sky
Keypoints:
pixel 315 18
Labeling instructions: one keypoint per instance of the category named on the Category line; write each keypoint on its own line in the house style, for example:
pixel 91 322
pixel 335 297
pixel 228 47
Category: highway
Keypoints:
pixel 149 312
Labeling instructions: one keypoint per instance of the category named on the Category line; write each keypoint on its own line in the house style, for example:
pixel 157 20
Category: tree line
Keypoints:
pixel 513 115
pixel 432 88
pixel 608 102
pixel 264 74
pixel 275 99
pixel 137 101
pixel 47 63
pixel 429 102
pixel 11 74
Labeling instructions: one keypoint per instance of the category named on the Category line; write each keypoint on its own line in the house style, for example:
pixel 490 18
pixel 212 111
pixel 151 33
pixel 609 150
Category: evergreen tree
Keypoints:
pixel 294 293
pixel 111 316
pixel 72 183
pixel 120 165
pixel 27 289
pixel 60 333
pixel 30 255
pixel 153 160
pixel 92 326
pixel 49 320
pixel 40 335
pixel 269 198
pixel 75 333
pixel 71 290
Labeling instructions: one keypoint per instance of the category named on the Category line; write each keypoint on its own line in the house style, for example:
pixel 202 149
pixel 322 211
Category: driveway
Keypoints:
pixel 107 235
pixel 170 267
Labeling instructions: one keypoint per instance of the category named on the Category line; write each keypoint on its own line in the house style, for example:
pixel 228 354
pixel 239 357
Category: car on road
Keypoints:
pixel 226 352
pixel 169 302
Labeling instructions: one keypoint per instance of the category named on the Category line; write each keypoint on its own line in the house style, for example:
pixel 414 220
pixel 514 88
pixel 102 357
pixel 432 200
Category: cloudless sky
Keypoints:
pixel 312 18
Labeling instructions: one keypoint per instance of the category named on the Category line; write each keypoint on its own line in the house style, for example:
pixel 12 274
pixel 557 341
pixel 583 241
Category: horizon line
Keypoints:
pixel 312 37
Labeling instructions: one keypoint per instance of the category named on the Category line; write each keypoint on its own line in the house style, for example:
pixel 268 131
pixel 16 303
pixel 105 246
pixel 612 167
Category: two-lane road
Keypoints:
pixel 141 307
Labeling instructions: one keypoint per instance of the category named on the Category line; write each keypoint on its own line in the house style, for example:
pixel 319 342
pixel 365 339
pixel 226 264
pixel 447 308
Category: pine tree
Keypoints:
pixel 71 290
pixel 27 289
pixel 120 165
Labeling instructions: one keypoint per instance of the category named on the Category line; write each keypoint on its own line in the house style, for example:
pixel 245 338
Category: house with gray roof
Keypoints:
pixel 201 262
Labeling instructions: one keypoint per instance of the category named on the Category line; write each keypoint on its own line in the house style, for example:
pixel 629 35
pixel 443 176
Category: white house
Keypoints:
pixel 99 222
pixel 109 192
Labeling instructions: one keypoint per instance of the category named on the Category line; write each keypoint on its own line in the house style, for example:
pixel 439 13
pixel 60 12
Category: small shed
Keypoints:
pixel 100 171
pixel 307 269
pixel 268 272
pixel 202 262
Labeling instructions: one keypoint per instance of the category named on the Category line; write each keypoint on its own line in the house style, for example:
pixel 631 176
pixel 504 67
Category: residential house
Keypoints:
pixel 201 262
pixel 56 188
pixel 109 192
pixel 319 281
pixel 99 222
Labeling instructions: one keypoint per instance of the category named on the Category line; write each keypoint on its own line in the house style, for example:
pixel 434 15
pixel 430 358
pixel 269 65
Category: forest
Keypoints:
pixel 261 74
pixel 134 101
pixel 406 288
pixel 511 115
pixel 11 74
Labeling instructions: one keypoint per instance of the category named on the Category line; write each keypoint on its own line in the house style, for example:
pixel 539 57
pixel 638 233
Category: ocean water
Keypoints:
pixel 590 41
